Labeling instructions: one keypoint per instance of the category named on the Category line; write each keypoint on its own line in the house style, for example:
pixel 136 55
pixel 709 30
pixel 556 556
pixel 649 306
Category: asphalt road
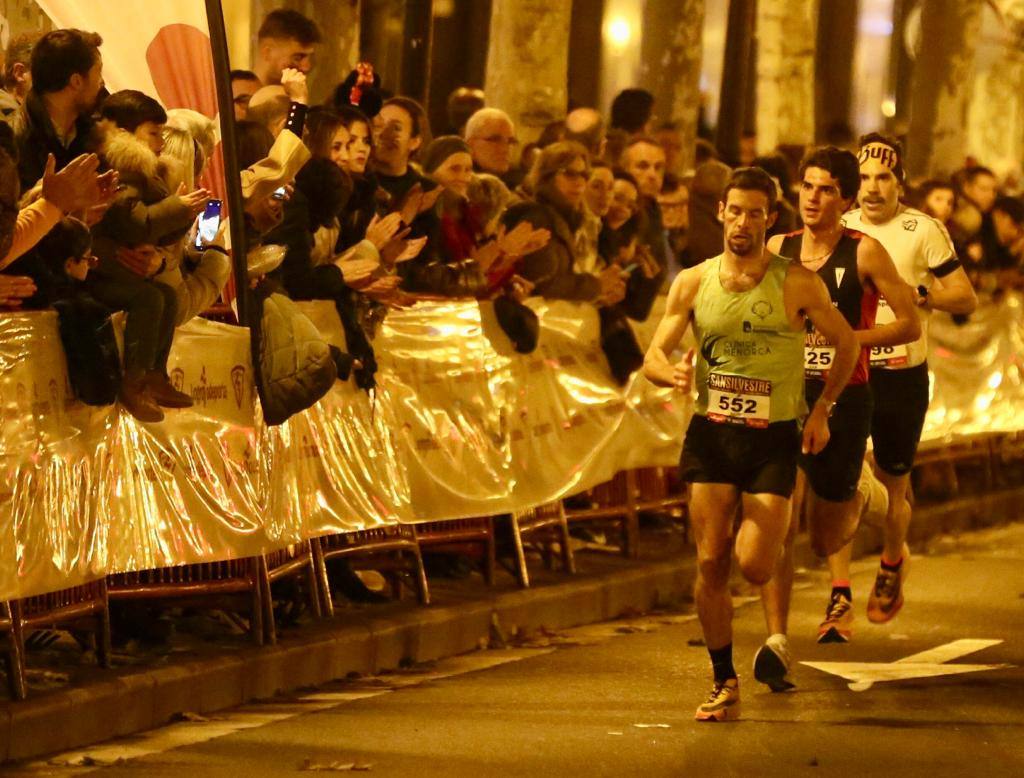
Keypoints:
pixel 571 704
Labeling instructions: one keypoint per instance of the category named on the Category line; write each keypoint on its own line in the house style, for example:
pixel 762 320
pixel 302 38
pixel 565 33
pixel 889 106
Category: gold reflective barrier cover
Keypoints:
pixel 460 425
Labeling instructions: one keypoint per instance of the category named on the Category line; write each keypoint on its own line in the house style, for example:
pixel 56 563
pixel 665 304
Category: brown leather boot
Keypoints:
pixel 165 395
pixel 137 401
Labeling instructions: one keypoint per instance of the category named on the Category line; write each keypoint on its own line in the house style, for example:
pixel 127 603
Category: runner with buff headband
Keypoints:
pixel 749 309
pixel 855 269
pixel 925 258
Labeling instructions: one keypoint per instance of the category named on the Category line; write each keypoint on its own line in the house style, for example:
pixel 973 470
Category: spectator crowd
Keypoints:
pixel 357 202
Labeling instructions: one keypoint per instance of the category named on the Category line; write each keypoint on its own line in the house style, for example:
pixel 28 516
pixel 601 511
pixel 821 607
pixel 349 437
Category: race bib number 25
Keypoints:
pixel 818 360
pixel 737 400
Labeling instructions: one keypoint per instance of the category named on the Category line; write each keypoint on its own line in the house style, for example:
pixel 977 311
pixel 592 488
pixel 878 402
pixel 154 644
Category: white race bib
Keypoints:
pixel 737 400
pixel 889 356
pixel 818 360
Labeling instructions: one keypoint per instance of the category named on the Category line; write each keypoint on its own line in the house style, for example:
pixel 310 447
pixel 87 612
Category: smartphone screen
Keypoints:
pixel 209 223
pixel 279 193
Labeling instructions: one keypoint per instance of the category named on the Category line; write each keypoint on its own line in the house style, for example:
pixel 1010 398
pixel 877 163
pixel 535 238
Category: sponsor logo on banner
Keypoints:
pixel 238 384
pixel 310 449
pixel 55 402
pixel 203 392
pixel 39 407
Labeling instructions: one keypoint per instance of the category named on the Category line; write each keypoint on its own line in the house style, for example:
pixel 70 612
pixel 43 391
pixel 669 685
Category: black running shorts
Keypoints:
pixel 833 474
pixel 756 461
pixel 901 402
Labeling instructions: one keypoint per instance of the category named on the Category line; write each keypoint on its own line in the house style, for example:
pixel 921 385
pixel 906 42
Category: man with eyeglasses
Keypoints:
pixel 491 136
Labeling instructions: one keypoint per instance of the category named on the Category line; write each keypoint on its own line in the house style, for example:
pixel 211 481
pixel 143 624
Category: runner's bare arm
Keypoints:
pixel 952 293
pixel 874 263
pixel 657 367
pixel 813 300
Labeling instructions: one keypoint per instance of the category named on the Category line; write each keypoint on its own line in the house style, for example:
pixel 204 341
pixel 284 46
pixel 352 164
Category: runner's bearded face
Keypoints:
pixel 821 203
pixel 879 189
pixel 745 218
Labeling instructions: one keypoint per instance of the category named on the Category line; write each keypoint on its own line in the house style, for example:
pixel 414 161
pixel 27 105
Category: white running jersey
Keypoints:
pixel 919 246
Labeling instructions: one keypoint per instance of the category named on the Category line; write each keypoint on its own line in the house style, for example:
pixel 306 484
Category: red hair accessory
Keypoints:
pixel 364 77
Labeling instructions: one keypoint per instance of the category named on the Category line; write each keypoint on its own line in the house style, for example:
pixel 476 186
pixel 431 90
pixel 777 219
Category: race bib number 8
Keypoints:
pixel 737 400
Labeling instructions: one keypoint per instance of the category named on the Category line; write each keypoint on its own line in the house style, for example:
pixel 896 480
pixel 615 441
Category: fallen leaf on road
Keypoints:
pixel 630 629
pixel 653 726
pixel 46 676
pixel 695 642
pixel 190 716
pixel 335 767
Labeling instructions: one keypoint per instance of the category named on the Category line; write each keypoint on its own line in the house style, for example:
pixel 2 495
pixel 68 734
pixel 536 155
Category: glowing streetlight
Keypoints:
pixel 888 108
pixel 618 32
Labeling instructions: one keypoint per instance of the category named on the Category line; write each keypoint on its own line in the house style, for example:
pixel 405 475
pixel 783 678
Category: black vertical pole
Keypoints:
pixel 419 34
pixel 735 73
pixel 222 75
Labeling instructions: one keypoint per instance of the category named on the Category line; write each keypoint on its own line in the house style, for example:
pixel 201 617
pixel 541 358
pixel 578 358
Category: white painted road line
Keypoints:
pixel 925 664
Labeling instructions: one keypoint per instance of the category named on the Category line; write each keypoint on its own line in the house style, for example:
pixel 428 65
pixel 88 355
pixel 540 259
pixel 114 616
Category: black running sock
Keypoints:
pixel 892 568
pixel 721 661
pixel 843 590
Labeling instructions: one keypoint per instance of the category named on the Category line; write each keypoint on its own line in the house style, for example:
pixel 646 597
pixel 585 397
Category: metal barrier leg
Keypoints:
pixel 263 578
pixel 568 560
pixel 324 585
pixel 522 574
pixel 15 656
pixel 491 554
pixel 420 574
pixel 103 649
pixel 256 603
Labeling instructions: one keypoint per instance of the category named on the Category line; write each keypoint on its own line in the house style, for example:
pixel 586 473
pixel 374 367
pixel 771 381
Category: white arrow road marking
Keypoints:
pixel 925 664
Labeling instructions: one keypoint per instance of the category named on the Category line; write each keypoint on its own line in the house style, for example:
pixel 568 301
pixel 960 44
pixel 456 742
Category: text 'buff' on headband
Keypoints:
pixel 886 155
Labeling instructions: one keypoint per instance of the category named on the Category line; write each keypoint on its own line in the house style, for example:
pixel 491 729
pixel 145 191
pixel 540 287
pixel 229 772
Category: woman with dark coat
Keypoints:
pixel 558 182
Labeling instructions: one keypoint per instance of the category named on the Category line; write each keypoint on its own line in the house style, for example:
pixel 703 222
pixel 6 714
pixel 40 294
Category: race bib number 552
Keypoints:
pixel 737 400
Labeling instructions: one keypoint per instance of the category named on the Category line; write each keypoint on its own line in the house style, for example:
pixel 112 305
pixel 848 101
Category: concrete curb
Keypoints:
pixel 126 702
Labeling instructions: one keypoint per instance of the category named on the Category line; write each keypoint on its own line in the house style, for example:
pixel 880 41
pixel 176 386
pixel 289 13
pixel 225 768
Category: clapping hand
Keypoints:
pixel 14 289
pixel 382 230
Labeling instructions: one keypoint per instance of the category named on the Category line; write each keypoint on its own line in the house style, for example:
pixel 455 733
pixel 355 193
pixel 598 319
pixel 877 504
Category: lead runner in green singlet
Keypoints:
pixel 749 309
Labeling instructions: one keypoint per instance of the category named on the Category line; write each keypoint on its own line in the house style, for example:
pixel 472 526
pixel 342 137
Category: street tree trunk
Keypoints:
pixel 943 80
pixel 528 62
pixel 996 120
pixel 786 35
pixel 339 51
pixel 671 51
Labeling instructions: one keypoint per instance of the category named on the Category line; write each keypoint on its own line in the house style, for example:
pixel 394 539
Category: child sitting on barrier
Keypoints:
pixel 144 213
pixel 59 265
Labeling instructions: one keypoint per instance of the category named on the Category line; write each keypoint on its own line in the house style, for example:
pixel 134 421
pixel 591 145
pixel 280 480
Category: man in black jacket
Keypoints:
pixel 67 76
pixel 644 159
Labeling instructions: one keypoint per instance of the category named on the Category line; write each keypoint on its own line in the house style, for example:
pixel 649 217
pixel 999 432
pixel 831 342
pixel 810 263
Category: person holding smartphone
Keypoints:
pixel 145 212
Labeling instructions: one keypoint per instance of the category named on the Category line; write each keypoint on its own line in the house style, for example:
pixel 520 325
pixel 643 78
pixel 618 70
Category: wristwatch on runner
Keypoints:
pixel 830 406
